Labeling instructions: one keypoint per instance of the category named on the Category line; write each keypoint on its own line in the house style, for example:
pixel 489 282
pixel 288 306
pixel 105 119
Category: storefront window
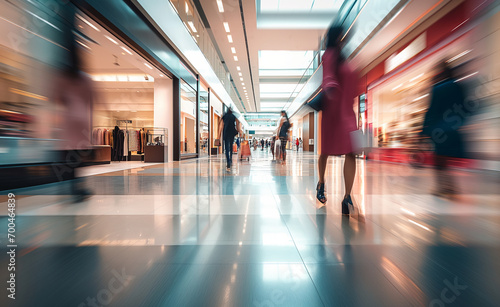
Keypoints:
pixel 204 115
pixel 188 119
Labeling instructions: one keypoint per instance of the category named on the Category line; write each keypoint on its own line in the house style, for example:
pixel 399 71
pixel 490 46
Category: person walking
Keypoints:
pixel 338 118
pixel 282 134
pixel 446 95
pixel 229 127
pixel 297 143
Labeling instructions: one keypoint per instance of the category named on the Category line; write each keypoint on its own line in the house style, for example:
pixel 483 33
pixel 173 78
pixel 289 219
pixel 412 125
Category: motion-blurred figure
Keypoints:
pixel 444 119
pixel 229 127
pixel 73 92
pixel 282 134
pixel 338 121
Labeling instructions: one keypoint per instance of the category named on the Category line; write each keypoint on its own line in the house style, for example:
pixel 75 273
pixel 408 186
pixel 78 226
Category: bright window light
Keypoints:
pixel 111 40
pixel 236 58
pixel 233 50
pixel 230 38
pixel 282 59
pixel 221 7
pixel 226 26
pixel 277 88
pixel 191 24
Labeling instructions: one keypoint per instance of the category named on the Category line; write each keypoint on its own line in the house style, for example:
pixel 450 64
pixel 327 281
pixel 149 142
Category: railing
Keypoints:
pixel 189 15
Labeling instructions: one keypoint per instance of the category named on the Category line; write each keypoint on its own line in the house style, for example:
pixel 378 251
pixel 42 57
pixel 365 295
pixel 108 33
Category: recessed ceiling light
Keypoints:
pixel 111 40
pixel 240 74
pixel 238 68
pixel 148 66
pixel 123 53
pixel 161 75
pixel 230 38
pixel 233 50
pixel 126 50
pixel 241 79
pixel 226 26
pixel 221 7
pixel 236 58
pixel 244 88
pixel 87 22
pixel 242 83
pixel 191 24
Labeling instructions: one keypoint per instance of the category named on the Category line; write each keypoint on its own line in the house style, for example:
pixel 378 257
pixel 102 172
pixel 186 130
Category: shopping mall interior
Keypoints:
pixel 120 184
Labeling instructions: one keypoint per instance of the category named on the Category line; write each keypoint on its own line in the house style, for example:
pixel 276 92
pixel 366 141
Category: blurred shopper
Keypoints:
pixel 229 127
pixel 444 119
pixel 73 92
pixel 282 133
pixel 272 146
pixel 297 143
pixel 338 120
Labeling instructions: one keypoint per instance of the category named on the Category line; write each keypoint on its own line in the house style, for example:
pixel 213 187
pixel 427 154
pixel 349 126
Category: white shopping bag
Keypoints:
pixel 360 142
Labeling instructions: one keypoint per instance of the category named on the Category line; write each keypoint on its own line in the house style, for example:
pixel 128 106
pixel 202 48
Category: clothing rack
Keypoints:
pixel 147 130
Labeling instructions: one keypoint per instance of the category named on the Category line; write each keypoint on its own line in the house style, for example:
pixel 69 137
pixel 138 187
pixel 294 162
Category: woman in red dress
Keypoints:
pixel 338 118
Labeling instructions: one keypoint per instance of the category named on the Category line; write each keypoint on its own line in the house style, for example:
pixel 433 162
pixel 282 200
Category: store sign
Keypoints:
pixel 311 141
pixel 251 131
pixel 404 55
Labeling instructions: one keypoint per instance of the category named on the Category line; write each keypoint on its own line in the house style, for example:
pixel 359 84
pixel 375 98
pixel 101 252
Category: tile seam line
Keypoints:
pixel 298 252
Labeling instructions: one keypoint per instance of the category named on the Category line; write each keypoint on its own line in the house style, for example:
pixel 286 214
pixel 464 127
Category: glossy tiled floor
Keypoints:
pixel 190 234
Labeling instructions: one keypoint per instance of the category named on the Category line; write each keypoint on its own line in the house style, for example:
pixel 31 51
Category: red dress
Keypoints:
pixel 338 117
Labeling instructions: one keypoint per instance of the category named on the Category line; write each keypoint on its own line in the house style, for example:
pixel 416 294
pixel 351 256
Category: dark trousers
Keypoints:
pixel 228 145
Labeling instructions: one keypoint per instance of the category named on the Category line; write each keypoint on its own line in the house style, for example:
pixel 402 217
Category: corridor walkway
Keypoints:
pixel 190 234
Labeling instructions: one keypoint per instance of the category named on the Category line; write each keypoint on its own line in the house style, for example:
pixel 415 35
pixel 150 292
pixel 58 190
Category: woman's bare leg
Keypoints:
pixel 349 172
pixel 322 161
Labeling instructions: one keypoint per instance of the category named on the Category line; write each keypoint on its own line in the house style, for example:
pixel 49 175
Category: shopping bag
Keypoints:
pixel 360 141
pixel 277 150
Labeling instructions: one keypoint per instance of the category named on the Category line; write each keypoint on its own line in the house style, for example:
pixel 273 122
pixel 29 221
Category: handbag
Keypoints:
pixel 316 102
pixel 217 142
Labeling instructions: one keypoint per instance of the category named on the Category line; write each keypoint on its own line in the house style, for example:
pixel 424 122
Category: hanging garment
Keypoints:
pixel 133 145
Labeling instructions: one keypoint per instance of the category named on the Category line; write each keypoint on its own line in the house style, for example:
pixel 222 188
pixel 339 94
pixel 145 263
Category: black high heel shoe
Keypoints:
pixel 320 193
pixel 347 204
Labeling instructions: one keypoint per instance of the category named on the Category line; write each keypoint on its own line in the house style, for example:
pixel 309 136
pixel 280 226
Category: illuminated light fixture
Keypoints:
pixel 474 73
pixel 27 94
pixel 241 79
pixel 395 88
pixel 221 7
pixel 238 68
pixel 230 38
pixel 226 26
pixel 239 74
pixel 415 78
pixel 458 56
pixel 233 50
pixel 244 88
pixel 148 66
pixel 111 40
pixel 187 7
pixel 87 22
pixel 460 25
pixel 191 24
pixel 242 83
pixel 407 211
pixel 126 50
pixel 82 44
pixel 421 97
pixel 236 58
pixel 161 75
pixel 419 225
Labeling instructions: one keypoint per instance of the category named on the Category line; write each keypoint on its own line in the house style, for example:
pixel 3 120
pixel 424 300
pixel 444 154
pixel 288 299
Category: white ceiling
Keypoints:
pixel 278 79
